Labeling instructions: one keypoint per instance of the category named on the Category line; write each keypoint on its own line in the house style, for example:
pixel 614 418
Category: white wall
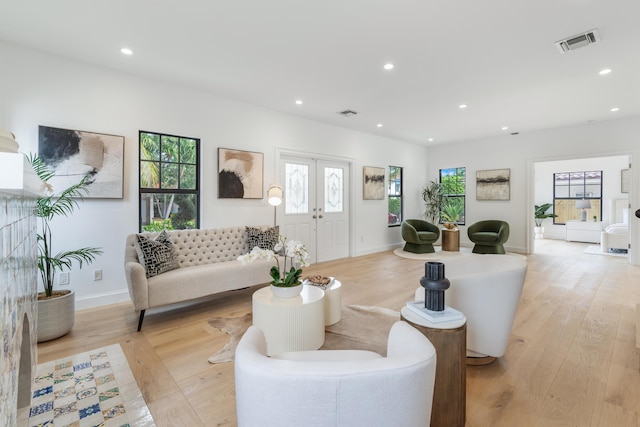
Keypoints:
pixel 520 153
pixel 610 167
pixel 40 89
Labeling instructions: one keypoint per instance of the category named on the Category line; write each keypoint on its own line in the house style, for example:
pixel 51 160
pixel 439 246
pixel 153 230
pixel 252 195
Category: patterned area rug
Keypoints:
pixel 360 328
pixel 96 388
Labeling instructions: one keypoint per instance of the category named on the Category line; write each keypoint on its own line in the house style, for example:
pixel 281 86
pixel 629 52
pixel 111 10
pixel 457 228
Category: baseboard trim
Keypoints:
pixel 99 300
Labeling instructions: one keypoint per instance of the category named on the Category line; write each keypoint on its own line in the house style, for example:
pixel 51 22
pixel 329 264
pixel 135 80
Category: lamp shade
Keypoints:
pixel 274 195
pixel 583 204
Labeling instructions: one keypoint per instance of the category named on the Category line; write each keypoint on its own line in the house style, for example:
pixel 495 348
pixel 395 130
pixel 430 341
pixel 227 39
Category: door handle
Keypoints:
pixel 319 216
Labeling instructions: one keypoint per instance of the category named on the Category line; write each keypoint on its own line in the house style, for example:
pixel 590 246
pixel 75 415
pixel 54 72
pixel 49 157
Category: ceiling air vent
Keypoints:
pixel 347 113
pixel 578 41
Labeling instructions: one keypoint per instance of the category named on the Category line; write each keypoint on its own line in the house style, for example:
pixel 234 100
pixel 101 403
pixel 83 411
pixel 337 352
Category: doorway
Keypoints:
pixel 316 208
pixel 544 191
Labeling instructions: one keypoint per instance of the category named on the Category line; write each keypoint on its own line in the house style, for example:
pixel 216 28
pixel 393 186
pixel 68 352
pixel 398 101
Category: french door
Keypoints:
pixel 316 205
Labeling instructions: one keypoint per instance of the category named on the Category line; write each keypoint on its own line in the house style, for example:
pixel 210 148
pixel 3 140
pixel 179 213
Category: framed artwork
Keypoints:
pixel 493 184
pixel 73 154
pixel 372 183
pixel 624 180
pixel 240 174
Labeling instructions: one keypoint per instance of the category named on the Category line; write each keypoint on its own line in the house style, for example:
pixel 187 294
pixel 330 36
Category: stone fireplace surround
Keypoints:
pixel 19 187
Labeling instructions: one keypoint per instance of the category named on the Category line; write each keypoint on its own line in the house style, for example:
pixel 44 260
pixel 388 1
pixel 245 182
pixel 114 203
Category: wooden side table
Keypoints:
pixel 290 324
pixel 450 393
pixel 451 240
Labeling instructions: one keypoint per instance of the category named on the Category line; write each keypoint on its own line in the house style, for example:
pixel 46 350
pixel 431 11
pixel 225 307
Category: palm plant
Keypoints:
pixel 452 209
pixel 47 208
pixel 432 196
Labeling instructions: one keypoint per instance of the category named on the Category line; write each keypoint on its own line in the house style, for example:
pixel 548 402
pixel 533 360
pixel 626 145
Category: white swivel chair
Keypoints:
pixel 486 288
pixel 331 388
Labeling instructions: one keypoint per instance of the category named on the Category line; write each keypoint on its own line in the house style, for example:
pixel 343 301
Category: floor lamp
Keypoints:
pixel 584 205
pixel 274 198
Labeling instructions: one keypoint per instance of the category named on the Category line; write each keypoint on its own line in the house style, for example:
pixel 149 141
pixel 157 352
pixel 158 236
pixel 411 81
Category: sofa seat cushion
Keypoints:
pixel 205 279
pixel 427 236
pixel 485 236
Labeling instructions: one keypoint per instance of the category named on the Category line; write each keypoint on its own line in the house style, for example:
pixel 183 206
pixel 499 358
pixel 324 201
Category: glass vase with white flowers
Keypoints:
pixel 295 254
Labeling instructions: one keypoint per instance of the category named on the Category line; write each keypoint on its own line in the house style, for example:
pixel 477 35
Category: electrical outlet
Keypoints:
pixel 97 275
pixel 64 279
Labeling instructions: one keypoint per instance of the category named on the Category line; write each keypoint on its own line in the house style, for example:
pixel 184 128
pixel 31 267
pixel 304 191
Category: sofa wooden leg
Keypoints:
pixel 141 319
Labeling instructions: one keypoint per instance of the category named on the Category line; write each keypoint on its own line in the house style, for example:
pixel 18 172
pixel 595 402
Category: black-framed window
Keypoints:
pixel 395 196
pixel 169 182
pixel 569 191
pixel 454 189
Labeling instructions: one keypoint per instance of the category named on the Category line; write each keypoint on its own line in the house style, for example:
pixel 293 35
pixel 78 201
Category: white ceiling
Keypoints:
pixel 497 56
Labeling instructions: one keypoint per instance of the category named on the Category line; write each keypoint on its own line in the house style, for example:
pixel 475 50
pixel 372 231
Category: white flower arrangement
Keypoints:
pixel 292 250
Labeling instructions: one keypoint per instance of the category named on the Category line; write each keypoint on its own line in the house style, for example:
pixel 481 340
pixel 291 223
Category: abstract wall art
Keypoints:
pixel 493 184
pixel 240 174
pixel 74 154
pixel 373 183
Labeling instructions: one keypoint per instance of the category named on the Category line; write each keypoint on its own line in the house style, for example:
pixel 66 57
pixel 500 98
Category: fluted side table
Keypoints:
pixel 290 324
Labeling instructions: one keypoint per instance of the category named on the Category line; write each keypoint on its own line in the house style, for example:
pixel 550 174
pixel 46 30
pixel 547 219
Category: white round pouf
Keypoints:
pixel 290 324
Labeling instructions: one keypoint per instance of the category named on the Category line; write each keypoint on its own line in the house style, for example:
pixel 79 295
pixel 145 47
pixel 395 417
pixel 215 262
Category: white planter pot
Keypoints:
pixel 539 231
pixel 56 316
pixel 280 292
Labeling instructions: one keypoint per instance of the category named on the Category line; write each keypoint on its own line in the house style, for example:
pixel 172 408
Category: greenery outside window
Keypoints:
pixel 169 182
pixel 569 187
pixel 395 196
pixel 453 182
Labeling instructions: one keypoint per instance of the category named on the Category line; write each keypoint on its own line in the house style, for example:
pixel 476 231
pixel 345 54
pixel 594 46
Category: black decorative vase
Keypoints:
pixel 434 284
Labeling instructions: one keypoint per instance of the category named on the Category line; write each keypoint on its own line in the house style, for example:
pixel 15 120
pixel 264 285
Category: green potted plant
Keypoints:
pixel 452 210
pixel 56 308
pixel 540 214
pixel 432 196
pixel 285 283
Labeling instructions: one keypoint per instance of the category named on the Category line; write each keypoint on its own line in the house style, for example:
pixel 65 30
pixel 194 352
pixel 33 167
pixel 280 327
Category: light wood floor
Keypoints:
pixel 571 361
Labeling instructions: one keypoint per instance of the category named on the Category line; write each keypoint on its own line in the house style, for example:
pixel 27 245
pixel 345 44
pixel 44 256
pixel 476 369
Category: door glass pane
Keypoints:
pixel 296 188
pixel 333 190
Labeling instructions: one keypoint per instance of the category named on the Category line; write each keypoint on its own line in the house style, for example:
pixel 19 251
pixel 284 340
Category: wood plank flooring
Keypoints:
pixel 571 361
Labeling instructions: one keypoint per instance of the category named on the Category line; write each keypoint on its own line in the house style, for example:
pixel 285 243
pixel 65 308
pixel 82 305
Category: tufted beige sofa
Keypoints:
pixel 207 265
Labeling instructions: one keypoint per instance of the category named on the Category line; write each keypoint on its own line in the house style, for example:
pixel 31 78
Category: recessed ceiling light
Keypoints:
pixel 504 128
pixel 126 51
pixel 388 66
pixel 379 125
pixel 614 109
pixel 462 106
pixel 430 139
pixel 298 102
pixel 605 71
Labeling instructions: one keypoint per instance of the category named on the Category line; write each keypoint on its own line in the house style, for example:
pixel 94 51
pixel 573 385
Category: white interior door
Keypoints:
pixel 316 205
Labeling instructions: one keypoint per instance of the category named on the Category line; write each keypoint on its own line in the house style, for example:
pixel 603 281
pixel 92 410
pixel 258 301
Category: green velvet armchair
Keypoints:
pixel 488 236
pixel 419 236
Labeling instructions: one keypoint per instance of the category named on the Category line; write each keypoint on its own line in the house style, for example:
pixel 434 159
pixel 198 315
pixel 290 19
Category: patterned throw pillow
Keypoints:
pixel 157 256
pixel 263 238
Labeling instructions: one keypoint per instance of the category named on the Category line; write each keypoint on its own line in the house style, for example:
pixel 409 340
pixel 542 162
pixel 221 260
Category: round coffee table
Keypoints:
pixel 290 324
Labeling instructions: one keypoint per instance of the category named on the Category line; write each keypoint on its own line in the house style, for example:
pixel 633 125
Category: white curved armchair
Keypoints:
pixel 330 388
pixel 486 289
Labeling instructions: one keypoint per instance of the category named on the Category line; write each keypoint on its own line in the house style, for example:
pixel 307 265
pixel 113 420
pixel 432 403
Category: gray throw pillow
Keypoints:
pixel 156 255
pixel 263 238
